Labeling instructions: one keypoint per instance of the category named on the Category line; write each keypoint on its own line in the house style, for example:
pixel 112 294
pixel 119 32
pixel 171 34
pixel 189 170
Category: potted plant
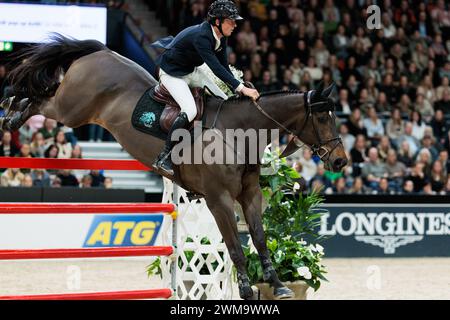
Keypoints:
pixel 290 217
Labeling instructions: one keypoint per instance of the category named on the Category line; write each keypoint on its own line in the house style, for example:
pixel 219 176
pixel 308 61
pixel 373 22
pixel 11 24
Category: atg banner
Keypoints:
pixel 386 230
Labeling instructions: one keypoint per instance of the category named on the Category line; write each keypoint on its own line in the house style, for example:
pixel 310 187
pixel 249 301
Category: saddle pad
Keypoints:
pixel 146 116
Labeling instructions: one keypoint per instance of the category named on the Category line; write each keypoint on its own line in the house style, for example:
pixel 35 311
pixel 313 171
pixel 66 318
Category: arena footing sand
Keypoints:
pixel 385 278
pixel 366 278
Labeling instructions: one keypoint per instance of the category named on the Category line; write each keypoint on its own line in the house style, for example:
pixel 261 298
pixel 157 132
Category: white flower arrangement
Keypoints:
pixel 238 74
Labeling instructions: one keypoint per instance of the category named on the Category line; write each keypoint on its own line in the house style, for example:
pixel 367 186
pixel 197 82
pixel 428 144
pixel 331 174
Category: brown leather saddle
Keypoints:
pixel 172 109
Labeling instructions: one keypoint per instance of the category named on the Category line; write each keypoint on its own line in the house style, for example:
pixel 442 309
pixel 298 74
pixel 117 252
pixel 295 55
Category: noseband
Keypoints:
pixel 319 149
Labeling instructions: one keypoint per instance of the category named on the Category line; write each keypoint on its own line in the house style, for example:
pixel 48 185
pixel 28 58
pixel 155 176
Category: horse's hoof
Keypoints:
pixel 283 293
pixel 246 293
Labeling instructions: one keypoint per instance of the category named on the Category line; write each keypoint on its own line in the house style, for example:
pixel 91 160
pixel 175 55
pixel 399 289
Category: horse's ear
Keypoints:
pixel 317 94
pixel 320 88
pixel 328 91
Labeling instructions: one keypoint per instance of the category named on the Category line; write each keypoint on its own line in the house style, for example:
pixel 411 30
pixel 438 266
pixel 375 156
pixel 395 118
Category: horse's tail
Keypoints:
pixel 38 75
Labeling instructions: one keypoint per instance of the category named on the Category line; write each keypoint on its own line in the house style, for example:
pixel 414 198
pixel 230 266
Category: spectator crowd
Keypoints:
pixel 393 96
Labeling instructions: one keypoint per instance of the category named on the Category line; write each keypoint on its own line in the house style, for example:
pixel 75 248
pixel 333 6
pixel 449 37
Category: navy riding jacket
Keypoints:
pixel 191 48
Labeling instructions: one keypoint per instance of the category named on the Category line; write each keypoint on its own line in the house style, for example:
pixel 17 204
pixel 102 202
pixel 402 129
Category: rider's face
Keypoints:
pixel 228 27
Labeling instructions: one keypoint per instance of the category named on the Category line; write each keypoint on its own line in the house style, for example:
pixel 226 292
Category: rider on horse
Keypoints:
pixel 195 45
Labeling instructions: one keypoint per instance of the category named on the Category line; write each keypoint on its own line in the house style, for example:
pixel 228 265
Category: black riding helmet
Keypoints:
pixel 223 9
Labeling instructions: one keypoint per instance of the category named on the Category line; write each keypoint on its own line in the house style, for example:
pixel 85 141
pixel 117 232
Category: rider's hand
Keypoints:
pixel 249 92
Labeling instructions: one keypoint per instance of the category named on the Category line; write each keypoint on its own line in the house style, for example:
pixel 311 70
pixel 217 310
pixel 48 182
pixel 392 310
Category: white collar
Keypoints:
pixel 216 37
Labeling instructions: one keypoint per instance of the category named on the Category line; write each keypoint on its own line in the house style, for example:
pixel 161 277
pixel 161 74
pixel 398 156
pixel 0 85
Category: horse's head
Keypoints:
pixel 317 129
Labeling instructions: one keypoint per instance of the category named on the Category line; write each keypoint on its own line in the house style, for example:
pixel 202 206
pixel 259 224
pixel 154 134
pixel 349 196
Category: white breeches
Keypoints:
pixel 179 89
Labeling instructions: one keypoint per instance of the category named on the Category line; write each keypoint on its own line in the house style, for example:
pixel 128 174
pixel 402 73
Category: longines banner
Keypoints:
pixel 386 230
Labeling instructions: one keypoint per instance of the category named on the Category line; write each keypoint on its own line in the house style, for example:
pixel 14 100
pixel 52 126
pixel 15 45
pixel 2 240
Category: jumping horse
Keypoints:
pixel 83 82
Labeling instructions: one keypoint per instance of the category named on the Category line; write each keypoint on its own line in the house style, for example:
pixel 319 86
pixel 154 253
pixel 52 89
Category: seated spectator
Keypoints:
pixel 38 145
pixel 382 104
pixel 108 184
pixel 408 187
pixel 358 154
pixel 341 43
pixel 41 178
pixel 395 126
pixel 86 181
pixel 64 148
pixel 358 186
pixel 266 84
pixel 77 152
pixel 438 178
pixel 343 104
pixel 373 125
pixel 355 123
pixel 49 130
pixel 67 179
pixel 405 155
pixel 7 148
pixel 27 181
pixel 429 143
pixel 423 107
pixel 426 88
pixel 98 179
pixel 373 170
pixel 321 177
pixel 418 177
pixel 407 136
pixel 395 170
pixel 405 104
pixel 51 152
pixel 439 126
pixel 315 72
pixel 56 182
pixel 309 167
pixel 383 148
pixel 383 187
pixel 339 186
pixel 444 103
pixel 444 159
pixel 418 125
pixel 424 157
pixel 12 177
pixel 347 139
pixel 444 86
pixel 296 70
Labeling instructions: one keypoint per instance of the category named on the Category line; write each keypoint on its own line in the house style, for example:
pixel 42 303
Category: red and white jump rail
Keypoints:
pixel 72 164
pixel 86 208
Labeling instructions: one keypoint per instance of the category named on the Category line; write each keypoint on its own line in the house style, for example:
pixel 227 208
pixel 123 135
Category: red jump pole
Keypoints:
pixel 83 208
pixel 85 253
pixel 72 164
pixel 118 295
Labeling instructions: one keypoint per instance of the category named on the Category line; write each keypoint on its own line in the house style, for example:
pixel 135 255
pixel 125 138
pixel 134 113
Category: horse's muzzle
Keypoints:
pixel 339 164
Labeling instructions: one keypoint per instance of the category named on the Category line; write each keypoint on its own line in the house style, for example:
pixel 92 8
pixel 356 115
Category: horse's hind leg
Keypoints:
pixel 251 202
pixel 222 208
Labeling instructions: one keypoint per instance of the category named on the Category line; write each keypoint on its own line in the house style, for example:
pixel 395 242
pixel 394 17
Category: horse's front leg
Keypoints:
pixel 18 118
pixel 251 202
pixel 221 205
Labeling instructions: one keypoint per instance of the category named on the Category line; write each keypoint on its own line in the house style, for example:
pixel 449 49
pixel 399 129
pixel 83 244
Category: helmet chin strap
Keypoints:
pixel 220 26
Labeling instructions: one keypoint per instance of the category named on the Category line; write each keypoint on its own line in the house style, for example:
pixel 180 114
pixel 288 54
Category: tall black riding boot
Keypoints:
pixel 163 162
